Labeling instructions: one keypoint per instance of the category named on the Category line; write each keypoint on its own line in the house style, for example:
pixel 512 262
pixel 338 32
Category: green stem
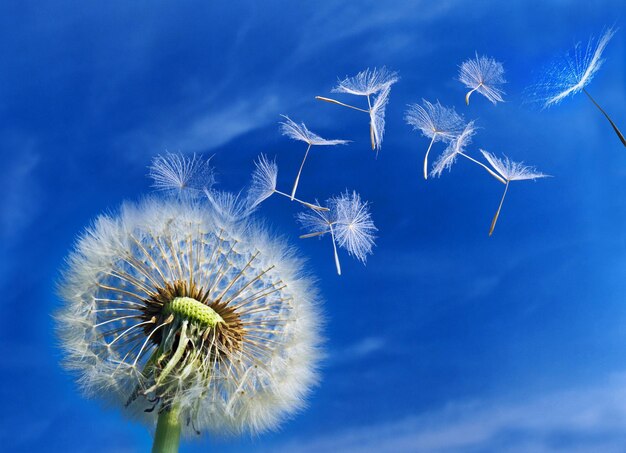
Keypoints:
pixel 167 436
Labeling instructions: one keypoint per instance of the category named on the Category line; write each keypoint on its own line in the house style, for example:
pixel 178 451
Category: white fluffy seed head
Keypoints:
pixel 300 132
pixel 485 75
pixel 512 171
pixel 129 344
pixel 367 82
pixel 435 121
pixel 571 73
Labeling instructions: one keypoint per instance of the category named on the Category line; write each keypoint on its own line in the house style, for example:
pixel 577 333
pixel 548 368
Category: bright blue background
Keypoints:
pixel 447 340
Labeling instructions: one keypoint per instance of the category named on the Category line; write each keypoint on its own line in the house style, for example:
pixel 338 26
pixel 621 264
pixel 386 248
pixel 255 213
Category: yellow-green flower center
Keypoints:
pixel 194 311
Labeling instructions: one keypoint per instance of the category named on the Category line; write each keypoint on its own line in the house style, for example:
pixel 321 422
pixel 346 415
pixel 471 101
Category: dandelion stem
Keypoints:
pixel 426 156
pixel 491 172
pixel 619 134
pixel 308 205
pixel 332 235
pixel 295 184
pixel 167 435
pixel 495 217
pixel 469 93
pixel 332 101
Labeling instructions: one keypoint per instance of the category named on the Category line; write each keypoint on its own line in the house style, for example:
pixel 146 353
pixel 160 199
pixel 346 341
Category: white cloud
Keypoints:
pixel 357 351
pixel 586 419
pixel 20 189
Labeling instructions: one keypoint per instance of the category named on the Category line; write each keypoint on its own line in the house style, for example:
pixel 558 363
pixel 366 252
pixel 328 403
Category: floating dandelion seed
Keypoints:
pixel 354 227
pixel 485 75
pixel 187 322
pixel 300 132
pixel 367 83
pixel 457 148
pixel 572 73
pixel 377 118
pixel 263 185
pixel 510 171
pixel 349 223
pixel 436 122
pixel 181 176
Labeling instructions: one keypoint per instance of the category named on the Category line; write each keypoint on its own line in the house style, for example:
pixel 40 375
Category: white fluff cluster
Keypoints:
pixel 182 176
pixel 377 117
pixel 512 171
pixel 300 132
pixel 435 121
pixel 571 73
pixel 349 223
pixel 367 82
pixel 485 75
pixel 454 148
pixel 127 344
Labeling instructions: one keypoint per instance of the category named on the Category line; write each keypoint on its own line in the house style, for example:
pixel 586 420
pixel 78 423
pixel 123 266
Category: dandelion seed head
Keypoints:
pixel 512 171
pixel 181 176
pixel 367 82
pixel 435 121
pixel 484 75
pixel 300 132
pixel 164 305
pixel 353 225
pixel 263 183
pixel 456 146
pixel 571 73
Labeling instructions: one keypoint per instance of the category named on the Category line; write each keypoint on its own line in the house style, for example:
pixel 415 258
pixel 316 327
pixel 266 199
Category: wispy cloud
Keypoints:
pixel 359 350
pixel 20 189
pixel 576 420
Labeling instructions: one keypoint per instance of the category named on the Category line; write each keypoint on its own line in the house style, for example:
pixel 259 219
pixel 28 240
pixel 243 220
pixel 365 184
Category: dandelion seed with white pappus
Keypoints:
pixel 457 148
pixel 572 73
pixel 510 171
pixel 484 75
pixel 436 122
pixel 263 186
pixel 300 132
pixel 367 83
pixel 188 321
pixel 349 223
pixel 181 176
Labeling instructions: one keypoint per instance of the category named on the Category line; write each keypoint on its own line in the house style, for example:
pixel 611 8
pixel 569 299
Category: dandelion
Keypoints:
pixel 367 83
pixel 349 223
pixel 572 73
pixel 485 75
pixel 181 176
pixel 510 171
pixel 436 122
pixel 189 321
pixel 263 186
pixel 300 132
pixel 457 148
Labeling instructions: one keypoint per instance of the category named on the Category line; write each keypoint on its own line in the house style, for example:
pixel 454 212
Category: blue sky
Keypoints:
pixel 447 340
